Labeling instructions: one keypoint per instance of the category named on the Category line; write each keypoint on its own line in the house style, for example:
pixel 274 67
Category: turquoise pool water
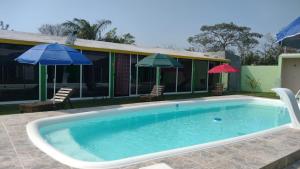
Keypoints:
pixel 141 131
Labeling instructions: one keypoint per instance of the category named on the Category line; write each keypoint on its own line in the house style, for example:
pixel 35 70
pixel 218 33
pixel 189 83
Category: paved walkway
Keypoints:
pixel 265 151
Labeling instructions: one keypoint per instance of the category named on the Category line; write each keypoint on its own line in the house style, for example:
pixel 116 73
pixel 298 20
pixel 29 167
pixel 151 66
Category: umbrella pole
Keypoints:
pixel 157 78
pixel 54 82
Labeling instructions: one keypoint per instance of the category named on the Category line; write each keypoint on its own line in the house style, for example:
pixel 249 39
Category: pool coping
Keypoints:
pixel 48 149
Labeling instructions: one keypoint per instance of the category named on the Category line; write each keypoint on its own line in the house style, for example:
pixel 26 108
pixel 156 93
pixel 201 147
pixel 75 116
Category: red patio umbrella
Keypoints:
pixel 223 68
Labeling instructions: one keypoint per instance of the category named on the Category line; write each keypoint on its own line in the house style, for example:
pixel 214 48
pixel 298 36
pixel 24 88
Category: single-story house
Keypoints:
pixel 113 73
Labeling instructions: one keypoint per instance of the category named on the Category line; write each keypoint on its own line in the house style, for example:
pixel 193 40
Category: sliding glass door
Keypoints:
pixel 133 74
pixel 95 78
pixel 146 78
pixel 129 79
pixel 122 74
pixel 213 78
pixel 66 76
pixel 200 75
pixel 168 79
pixel 184 76
pixel 17 81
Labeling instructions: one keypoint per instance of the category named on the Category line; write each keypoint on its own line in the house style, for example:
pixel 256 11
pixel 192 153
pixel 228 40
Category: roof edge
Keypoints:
pixel 26 38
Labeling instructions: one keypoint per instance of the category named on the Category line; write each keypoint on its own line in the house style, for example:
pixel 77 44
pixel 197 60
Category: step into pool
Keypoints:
pixel 120 136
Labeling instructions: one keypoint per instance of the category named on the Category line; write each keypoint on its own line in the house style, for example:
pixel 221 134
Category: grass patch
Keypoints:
pixel 13 108
pixel 270 95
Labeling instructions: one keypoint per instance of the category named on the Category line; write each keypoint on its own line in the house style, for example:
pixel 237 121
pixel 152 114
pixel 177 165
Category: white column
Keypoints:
pixel 207 78
pixel 109 79
pixel 176 77
pixel 137 76
pixel 129 75
pixel 192 76
pixel 54 81
pixel 80 88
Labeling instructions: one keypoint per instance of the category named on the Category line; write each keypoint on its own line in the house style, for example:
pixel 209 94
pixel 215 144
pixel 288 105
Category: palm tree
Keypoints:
pixel 112 36
pixel 127 39
pixel 85 29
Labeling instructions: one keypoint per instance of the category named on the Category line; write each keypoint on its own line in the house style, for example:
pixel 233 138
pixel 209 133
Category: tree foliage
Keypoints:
pixel 112 36
pixel 55 30
pixel 87 30
pixel 252 58
pixel 271 51
pixel 3 26
pixel 239 39
pixel 224 36
pixel 267 55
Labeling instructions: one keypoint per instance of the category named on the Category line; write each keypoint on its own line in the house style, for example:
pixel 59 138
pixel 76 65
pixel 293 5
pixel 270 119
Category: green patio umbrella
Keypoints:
pixel 159 61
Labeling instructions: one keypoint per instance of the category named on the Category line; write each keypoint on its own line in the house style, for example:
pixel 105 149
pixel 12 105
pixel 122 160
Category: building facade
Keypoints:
pixel 113 73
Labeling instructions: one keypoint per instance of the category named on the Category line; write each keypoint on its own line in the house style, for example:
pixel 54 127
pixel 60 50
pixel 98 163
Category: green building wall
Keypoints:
pixel 259 78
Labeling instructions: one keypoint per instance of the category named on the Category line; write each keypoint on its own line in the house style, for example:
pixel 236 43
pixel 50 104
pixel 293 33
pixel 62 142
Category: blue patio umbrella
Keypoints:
pixel 53 54
pixel 290 35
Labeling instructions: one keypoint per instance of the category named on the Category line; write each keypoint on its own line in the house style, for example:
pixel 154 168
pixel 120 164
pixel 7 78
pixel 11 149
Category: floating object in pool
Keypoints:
pixel 217 119
pixel 177 105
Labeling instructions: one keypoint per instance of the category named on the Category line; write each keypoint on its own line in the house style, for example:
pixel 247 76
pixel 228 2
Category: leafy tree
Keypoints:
pixel 252 58
pixel 127 38
pixel 169 46
pixel 85 29
pixel 247 42
pixel 3 26
pixel 270 51
pixel 267 55
pixel 224 36
pixel 55 30
pixel 112 36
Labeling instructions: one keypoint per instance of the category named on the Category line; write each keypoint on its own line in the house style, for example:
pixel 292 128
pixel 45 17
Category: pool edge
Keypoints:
pixel 38 141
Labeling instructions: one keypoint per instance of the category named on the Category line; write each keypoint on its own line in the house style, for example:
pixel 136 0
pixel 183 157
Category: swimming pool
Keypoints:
pixel 115 137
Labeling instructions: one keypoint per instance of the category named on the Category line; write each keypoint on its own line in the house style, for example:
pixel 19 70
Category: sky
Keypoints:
pixel 154 23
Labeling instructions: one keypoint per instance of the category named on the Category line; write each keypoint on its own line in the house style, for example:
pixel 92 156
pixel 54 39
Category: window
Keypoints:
pixel 66 76
pixel 17 81
pixel 168 79
pixel 146 78
pixel 133 90
pixel 184 75
pixel 200 75
pixel 213 78
pixel 95 78
pixel 122 74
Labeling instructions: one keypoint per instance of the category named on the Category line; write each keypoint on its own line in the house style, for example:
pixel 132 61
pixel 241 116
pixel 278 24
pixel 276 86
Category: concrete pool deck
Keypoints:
pixel 277 149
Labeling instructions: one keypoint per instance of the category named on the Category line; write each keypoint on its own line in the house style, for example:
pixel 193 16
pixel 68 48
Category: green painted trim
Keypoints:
pixel 42 83
pixel 193 77
pixel 112 59
pixel 157 76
